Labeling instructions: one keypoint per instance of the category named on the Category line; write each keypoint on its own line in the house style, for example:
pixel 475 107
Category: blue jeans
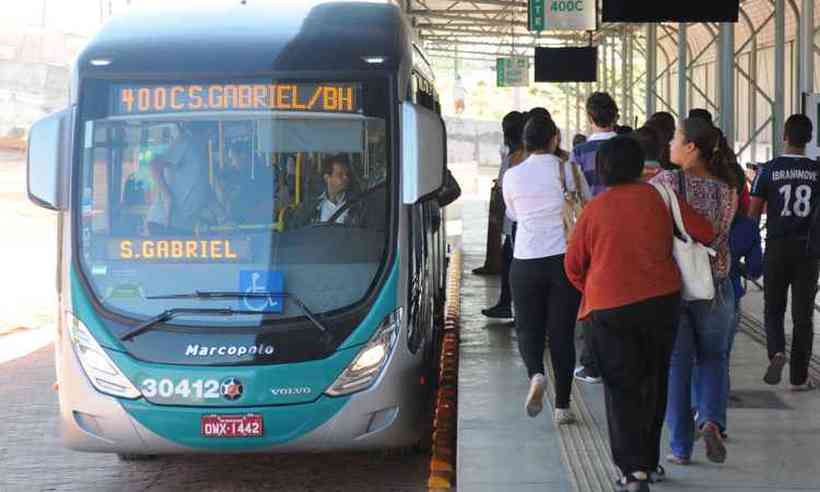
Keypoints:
pixel 702 348
pixel 733 328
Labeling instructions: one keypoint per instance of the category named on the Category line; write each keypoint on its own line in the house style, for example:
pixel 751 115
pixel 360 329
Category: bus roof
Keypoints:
pixel 246 38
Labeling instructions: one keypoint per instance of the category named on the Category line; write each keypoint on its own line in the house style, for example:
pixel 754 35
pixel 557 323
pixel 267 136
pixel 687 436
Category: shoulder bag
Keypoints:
pixel 574 201
pixel 692 257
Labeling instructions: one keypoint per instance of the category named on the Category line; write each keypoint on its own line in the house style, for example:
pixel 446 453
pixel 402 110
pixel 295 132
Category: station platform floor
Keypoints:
pixel 774 434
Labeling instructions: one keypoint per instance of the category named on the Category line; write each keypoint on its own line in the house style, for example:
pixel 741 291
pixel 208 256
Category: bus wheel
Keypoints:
pixel 129 457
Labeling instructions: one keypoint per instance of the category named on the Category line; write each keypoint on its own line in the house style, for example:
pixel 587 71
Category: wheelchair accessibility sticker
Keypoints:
pixel 260 281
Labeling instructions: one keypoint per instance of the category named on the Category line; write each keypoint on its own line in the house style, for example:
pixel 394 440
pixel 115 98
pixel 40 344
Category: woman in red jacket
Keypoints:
pixel 620 258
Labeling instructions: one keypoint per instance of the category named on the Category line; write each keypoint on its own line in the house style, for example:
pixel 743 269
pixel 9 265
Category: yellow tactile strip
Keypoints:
pixel 443 459
pixel 584 447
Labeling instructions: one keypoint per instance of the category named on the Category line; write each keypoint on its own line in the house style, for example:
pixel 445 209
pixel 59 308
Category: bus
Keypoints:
pixel 251 231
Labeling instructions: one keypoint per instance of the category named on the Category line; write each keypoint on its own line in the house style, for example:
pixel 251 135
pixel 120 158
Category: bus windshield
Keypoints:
pixel 185 191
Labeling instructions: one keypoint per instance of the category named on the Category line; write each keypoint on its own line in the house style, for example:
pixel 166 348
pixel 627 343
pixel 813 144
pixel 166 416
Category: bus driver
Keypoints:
pixel 337 174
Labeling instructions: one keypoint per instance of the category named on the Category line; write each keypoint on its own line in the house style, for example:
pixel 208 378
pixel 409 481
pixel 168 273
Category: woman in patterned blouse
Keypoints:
pixel 698 376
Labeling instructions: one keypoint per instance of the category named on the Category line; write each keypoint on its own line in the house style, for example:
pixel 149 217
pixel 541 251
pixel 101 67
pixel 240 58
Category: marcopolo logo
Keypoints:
pixel 228 350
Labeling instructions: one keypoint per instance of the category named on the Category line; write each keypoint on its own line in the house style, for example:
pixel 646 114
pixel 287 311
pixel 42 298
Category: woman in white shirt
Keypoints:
pixel 542 295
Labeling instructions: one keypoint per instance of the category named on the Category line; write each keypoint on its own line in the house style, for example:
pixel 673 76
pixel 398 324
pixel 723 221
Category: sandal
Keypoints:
pixel 715 450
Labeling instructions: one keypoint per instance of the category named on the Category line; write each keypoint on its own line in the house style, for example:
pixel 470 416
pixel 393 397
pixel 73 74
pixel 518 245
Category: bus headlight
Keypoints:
pixel 367 366
pixel 100 369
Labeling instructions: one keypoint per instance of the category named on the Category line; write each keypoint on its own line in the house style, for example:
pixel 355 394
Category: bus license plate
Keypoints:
pixel 232 426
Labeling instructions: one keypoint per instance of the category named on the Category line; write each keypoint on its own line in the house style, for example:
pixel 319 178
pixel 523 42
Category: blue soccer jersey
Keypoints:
pixel 789 186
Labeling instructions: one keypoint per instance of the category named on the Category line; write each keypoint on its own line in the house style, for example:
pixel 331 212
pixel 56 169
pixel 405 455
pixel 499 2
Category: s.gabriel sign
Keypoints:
pixel 562 15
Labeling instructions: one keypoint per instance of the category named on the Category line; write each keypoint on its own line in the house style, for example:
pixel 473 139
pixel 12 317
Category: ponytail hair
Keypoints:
pixel 713 148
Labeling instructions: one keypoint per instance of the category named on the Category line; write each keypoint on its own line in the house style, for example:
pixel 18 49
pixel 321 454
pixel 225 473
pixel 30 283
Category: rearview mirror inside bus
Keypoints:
pixel 423 152
pixel 45 142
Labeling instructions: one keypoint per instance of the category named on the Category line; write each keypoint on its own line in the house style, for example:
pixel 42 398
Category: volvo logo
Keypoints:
pixel 231 389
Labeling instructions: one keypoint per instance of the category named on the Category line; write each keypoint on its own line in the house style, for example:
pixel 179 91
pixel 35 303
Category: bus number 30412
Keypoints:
pixel 165 388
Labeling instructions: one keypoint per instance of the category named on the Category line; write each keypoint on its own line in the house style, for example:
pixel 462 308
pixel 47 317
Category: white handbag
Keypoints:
pixel 692 257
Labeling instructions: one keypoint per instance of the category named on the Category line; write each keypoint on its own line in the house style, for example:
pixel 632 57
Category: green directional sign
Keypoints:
pixel 562 15
pixel 512 72
pixel 536 10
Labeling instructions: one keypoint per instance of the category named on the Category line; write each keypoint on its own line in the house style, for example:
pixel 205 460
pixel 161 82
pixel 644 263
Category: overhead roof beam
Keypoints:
pixel 472 18
pixel 469 42
pixel 434 12
pixel 467 39
pixel 464 29
pixel 472 21
pixel 466 52
pixel 498 3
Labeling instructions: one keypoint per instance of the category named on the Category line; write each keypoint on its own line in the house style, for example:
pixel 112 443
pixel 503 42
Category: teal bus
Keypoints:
pixel 252 245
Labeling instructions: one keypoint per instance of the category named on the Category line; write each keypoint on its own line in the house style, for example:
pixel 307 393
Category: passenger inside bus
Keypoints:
pixel 336 203
pixel 245 187
pixel 182 196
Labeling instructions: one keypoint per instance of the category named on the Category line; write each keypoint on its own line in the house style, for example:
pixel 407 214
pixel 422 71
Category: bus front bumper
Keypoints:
pixel 384 416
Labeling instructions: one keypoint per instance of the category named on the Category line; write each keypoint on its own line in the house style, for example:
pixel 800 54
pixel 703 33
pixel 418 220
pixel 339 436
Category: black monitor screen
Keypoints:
pixel 671 11
pixel 566 64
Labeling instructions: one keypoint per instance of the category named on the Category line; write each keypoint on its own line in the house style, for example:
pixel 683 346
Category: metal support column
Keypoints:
pixel 614 77
pixel 578 108
pixel 625 109
pixel 603 84
pixel 779 107
pixel 726 83
pixel 807 47
pixel 753 100
pixel 568 130
pixel 683 53
pixel 651 67
pixel 630 96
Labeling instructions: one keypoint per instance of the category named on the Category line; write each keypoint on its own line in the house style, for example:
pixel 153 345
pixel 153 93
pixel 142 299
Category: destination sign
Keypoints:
pixel 180 250
pixel 156 99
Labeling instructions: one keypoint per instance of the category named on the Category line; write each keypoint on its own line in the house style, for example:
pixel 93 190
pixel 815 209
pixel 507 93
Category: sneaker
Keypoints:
pixel 563 416
pixel 678 460
pixel 584 374
pixel 657 475
pixel 498 311
pixel 535 397
pixel 634 482
pixel 775 370
pixel 809 385
pixel 715 450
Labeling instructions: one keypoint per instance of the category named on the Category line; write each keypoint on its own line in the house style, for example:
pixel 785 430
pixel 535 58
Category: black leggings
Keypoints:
pixel 545 300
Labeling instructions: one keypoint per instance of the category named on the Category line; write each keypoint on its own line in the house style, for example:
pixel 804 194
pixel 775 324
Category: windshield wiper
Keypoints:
pixel 199 294
pixel 172 313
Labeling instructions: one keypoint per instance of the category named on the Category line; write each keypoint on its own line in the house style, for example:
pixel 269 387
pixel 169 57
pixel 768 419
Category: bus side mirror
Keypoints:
pixel 423 152
pixel 46 144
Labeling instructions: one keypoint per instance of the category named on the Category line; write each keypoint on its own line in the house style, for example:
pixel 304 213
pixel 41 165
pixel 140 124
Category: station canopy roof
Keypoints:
pixel 486 29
